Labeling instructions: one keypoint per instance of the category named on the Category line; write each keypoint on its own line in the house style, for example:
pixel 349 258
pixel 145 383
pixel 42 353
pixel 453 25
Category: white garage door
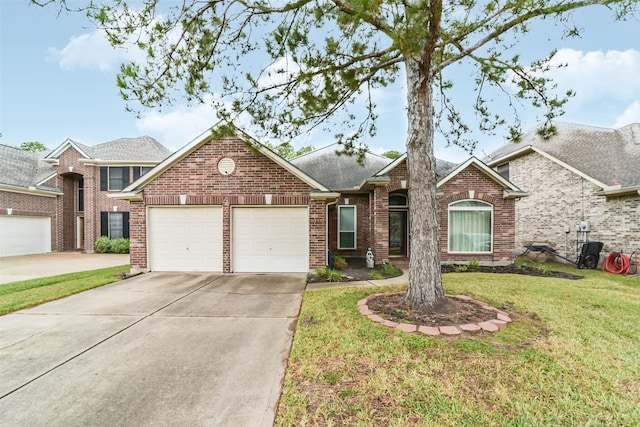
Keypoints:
pixel 185 238
pixel 24 235
pixel 270 239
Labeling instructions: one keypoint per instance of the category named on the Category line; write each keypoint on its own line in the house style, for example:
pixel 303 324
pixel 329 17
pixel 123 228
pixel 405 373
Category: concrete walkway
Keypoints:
pixel 16 268
pixel 174 349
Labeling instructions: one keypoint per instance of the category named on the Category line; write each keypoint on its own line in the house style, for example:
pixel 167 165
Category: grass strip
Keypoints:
pixel 28 293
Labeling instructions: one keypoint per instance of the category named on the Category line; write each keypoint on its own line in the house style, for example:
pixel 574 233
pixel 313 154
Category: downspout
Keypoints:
pixel 326 228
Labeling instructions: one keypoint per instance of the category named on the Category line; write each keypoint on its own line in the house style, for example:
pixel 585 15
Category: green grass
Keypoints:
pixel 569 358
pixel 28 293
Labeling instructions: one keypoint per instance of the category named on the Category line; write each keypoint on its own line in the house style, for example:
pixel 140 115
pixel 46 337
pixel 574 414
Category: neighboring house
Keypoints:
pixel 584 184
pixel 58 201
pixel 232 205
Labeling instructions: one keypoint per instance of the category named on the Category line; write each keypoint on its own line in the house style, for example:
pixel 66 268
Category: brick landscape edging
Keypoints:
pixel 501 320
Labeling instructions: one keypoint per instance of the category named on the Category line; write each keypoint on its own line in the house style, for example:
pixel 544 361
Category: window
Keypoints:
pixel 114 225
pixel 81 195
pixel 114 178
pixel 503 170
pixel 346 227
pixel 398 200
pixel 138 171
pixel 470 227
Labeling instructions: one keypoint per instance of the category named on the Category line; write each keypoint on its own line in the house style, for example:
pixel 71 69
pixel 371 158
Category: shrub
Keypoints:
pixel 105 245
pixel 390 270
pixel 102 245
pixel 339 263
pixel 120 246
pixel 474 263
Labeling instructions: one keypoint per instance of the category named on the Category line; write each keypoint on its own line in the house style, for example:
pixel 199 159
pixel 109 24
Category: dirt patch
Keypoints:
pixel 448 312
pixel 510 269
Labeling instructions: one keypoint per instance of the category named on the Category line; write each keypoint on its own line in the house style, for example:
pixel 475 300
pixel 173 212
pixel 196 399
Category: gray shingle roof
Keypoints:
pixel 609 155
pixel 22 168
pixel 143 148
pixel 341 172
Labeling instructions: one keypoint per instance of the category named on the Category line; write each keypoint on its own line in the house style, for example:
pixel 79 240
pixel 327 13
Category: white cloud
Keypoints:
pixel 88 51
pixel 593 75
pixel 630 115
pixel 182 124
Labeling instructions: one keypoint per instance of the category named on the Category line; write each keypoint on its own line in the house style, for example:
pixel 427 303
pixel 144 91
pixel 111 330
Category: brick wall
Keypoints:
pixel 489 191
pixel 363 225
pixel 254 176
pixel 559 199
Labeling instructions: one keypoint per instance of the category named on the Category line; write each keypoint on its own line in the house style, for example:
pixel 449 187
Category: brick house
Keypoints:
pixel 58 201
pixel 583 185
pixel 232 205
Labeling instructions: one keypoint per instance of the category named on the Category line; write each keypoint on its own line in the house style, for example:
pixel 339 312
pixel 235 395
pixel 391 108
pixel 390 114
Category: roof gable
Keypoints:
pixel 606 157
pixel 140 150
pixel 510 190
pixel 211 135
pixel 24 169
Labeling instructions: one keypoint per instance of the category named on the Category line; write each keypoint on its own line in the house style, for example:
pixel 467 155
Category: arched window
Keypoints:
pixel 470 227
pixel 398 200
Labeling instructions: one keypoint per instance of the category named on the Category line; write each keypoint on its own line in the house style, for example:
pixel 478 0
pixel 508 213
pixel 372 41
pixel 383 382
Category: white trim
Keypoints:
pixel 125 163
pixel 483 168
pixel 355 226
pixel 531 148
pixel 391 165
pixel 489 207
pixel 206 137
pixel 29 190
pixel 52 157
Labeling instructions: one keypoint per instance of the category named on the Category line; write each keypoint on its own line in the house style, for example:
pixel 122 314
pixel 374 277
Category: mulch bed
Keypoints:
pixel 451 311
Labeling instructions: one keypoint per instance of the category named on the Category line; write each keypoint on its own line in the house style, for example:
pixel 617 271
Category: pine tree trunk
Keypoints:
pixel 425 276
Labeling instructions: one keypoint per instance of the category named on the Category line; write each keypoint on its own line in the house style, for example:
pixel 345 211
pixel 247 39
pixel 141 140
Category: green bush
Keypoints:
pixel 390 270
pixel 105 245
pixel 102 245
pixel 120 246
pixel 339 263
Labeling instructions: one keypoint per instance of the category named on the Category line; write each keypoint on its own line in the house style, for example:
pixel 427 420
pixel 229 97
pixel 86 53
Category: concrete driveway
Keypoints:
pixel 157 349
pixel 26 267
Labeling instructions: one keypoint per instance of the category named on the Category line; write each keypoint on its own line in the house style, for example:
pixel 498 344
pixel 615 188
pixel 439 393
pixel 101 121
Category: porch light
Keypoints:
pixel 403 184
pixel 115 209
pixel 267 199
pixel 70 168
pixel 472 194
pixel 9 211
pixel 183 199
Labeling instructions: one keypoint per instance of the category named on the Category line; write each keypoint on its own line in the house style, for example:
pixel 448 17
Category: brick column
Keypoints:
pixel 380 224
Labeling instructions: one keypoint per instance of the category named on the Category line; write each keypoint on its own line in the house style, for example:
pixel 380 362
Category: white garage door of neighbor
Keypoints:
pixel 24 235
pixel 270 240
pixel 185 238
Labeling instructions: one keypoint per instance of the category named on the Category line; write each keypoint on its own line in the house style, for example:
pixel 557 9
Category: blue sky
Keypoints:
pixel 57 81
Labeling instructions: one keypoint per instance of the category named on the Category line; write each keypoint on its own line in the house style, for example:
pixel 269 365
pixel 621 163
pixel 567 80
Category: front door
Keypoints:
pixel 398 233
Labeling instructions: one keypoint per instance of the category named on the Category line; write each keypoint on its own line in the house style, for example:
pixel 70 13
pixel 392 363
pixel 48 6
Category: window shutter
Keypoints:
pixel 125 176
pixel 125 225
pixel 104 224
pixel 104 184
pixel 136 172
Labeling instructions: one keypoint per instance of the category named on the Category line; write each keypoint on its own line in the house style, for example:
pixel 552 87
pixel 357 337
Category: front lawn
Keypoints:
pixel 27 293
pixel 569 358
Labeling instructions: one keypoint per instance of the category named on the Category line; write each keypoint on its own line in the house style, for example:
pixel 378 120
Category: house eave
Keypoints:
pixel 135 196
pixel 34 191
pixel 514 194
pixel 618 191
pixel 99 162
pixel 324 195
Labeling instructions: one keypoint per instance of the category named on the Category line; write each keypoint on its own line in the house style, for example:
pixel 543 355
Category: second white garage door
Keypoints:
pixel 185 238
pixel 24 235
pixel 270 239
